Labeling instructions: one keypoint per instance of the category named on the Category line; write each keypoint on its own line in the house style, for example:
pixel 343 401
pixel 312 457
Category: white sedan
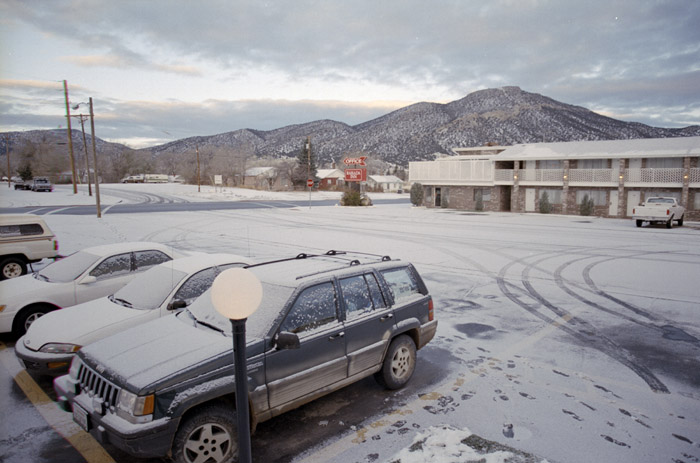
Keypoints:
pixel 51 341
pixel 83 276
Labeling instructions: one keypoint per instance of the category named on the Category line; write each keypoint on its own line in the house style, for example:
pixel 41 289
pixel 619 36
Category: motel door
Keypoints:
pixel 438 197
pixel 633 198
pixel 530 194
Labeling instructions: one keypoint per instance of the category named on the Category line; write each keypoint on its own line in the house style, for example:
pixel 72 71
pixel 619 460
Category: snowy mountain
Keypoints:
pixel 503 116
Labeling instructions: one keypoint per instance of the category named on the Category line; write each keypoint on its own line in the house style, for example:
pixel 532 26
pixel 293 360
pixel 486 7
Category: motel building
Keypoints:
pixel 617 175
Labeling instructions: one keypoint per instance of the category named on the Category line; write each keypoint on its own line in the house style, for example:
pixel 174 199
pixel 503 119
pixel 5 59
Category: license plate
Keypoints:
pixel 81 417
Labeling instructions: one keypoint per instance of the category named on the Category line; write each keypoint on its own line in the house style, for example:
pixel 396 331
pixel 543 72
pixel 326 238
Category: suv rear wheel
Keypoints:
pixel 210 435
pixel 399 363
pixel 12 267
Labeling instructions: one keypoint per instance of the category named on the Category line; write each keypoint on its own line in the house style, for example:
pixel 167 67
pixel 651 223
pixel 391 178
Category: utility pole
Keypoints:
pixel 308 167
pixel 199 188
pixel 7 152
pixel 94 158
pixel 87 164
pixel 70 138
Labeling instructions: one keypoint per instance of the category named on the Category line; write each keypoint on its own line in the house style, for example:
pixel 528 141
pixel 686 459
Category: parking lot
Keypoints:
pixel 571 338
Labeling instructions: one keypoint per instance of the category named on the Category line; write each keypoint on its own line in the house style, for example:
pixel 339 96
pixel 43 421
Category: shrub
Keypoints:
pixel 587 206
pixel 479 201
pixel 351 198
pixel 417 194
pixel 545 205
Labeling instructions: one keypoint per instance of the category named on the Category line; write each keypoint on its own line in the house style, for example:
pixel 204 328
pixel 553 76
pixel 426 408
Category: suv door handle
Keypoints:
pixel 336 336
pixel 386 317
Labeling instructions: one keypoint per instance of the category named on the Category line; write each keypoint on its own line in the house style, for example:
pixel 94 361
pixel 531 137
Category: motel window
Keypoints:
pixel 593 164
pixel 485 194
pixel 553 195
pixel 696 203
pixel 599 197
pixel 550 165
pixel 664 163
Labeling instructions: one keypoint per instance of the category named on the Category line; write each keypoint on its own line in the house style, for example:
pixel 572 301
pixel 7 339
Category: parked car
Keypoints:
pixel 133 179
pixel 22 185
pixel 51 341
pixel 167 387
pixel 659 210
pixel 24 239
pixel 42 184
pixel 83 276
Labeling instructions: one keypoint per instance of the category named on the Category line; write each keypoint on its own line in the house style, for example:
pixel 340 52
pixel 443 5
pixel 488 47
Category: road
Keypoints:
pixel 575 339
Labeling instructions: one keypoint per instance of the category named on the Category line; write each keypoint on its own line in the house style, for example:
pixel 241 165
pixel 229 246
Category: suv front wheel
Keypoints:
pixel 399 363
pixel 210 435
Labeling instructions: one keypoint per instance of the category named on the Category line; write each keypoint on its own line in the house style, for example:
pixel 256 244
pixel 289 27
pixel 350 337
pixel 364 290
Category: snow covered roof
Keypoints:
pixel 255 171
pixel 386 179
pixel 330 173
pixel 605 149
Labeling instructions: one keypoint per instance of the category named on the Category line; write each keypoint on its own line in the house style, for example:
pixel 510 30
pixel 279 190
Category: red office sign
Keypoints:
pixel 355 161
pixel 355 175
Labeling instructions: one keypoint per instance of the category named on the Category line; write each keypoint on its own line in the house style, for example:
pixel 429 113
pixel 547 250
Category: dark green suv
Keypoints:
pixel 167 388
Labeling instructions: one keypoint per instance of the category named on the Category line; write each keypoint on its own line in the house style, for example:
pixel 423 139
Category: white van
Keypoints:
pixel 24 239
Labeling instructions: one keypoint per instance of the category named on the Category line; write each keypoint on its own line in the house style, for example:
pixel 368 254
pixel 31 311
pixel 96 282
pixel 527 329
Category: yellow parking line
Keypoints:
pixel 59 420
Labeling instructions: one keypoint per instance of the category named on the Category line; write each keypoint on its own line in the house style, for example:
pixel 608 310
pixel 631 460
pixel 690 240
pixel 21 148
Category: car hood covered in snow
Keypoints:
pixel 83 323
pixel 153 355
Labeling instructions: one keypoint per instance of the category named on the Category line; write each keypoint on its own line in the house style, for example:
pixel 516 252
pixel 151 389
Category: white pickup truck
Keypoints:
pixel 659 210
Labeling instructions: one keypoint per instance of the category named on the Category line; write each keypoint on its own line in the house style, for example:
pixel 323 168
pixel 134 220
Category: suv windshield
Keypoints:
pixel 150 289
pixel 67 269
pixel 257 325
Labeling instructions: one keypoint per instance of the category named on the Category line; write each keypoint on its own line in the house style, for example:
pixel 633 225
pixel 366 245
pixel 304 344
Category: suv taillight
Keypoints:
pixel 431 312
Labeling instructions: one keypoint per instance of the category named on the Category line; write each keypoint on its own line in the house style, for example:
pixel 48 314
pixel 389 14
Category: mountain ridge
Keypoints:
pixel 504 116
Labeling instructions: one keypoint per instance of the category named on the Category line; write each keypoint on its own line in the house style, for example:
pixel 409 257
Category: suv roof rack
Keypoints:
pixel 332 253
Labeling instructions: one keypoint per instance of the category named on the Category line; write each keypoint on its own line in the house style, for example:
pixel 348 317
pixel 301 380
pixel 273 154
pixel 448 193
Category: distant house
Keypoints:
pixel 387 183
pixel 262 178
pixel 330 179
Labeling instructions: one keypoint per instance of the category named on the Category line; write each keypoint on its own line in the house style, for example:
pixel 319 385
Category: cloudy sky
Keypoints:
pixel 163 70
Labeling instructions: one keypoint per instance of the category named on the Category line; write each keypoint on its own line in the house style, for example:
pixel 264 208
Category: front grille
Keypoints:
pixel 96 386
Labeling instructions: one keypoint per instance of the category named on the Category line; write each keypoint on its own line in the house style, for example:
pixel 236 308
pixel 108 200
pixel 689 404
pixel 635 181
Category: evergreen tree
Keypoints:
pixel 306 165
pixel 587 206
pixel 417 194
pixel 545 205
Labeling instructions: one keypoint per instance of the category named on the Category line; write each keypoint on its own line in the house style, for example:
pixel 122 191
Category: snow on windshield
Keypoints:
pixel 68 268
pixel 257 325
pixel 150 289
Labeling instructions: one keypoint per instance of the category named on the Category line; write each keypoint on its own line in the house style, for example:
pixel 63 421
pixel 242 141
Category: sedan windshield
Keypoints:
pixel 149 290
pixel 67 269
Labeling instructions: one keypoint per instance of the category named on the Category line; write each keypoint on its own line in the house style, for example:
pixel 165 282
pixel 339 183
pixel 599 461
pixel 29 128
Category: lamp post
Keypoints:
pixel 236 294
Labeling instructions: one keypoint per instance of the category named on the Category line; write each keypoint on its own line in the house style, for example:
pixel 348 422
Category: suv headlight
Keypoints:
pixel 59 348
pixel 135 408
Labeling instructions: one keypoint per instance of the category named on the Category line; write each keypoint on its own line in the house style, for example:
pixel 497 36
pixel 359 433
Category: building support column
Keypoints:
pixel 621 198
pixel 565 189
pixel 685 194
pixel 515 194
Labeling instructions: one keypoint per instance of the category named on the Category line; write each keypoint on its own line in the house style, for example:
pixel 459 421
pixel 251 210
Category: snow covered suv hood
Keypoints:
pixel 155 352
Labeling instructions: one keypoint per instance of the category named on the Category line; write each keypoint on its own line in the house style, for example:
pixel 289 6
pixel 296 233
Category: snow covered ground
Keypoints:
pixel 570 339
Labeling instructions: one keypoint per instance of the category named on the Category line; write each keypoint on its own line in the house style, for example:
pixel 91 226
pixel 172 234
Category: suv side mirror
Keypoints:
pixel 89 279
pixel 178 304
pixel 287 340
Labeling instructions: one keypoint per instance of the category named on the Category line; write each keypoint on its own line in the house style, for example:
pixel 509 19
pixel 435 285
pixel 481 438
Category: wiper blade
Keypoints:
pixel 41 277
pixel 119 301
pixel 209 325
